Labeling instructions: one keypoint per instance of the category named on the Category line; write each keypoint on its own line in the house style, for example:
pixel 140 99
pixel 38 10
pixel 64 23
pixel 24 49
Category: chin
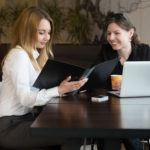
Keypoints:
pixel 41 46
pixel 116 48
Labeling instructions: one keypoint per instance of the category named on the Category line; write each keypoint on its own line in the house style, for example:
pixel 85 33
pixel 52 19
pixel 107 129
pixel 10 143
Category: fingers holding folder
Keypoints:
pixel 69 86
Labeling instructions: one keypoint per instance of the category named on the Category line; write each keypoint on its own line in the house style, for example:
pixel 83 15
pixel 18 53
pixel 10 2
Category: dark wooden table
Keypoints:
pixel 78 116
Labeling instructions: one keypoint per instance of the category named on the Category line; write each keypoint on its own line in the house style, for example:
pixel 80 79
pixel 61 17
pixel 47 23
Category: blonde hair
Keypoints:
pixel 25 34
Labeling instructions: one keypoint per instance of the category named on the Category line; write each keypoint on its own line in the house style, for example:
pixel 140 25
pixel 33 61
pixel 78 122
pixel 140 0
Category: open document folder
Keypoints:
pixel 100 74
pixel 55 71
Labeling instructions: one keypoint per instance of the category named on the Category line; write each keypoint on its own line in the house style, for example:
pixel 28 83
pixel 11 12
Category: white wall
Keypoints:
pixel 141 19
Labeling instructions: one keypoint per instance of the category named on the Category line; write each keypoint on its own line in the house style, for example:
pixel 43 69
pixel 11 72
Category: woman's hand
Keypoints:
pixel 66 86
pixel 118 85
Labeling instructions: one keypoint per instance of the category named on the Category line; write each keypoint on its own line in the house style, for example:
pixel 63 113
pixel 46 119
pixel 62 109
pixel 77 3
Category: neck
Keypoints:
pixel 124 53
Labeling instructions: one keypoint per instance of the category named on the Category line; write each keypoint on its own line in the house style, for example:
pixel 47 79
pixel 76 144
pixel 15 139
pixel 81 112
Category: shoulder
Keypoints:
pixel 141 51
pixel 17 52
pixel 142 47
pixel 17 55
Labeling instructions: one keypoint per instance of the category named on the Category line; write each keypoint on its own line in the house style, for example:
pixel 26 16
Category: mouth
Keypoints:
pixel 43 43
pixel 113 44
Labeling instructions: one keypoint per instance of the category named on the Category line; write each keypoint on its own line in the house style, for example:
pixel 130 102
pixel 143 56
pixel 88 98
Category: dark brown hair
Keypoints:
pixel 122 21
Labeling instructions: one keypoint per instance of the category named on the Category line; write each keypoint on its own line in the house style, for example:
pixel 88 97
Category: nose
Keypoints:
pixel 47 37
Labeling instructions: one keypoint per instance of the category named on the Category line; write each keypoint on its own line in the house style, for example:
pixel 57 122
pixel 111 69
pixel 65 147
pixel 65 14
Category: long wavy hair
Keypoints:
pixel 25 35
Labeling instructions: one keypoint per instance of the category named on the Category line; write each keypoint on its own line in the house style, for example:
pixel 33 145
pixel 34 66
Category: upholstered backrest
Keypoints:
pixel 3 51
pixel 82 55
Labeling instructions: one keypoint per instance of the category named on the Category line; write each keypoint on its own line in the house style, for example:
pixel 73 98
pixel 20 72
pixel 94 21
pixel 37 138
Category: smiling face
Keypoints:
pixel 117 37
pixel 43 33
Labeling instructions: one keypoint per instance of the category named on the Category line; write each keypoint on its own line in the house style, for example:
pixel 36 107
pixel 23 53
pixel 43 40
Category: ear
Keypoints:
pixel 131 32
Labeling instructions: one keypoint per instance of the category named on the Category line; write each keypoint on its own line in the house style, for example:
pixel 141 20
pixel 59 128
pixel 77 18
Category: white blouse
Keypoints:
pixel 17 96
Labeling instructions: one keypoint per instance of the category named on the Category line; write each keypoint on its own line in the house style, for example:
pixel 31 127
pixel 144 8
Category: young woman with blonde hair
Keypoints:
pixel 30 49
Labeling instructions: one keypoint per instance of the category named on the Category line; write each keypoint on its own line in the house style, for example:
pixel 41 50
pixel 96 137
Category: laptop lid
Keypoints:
pixel 136 79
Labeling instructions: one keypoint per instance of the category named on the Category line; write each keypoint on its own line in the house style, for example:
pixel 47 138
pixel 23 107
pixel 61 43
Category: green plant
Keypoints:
pixel 79 26
pixel 15 10
pixel 57 14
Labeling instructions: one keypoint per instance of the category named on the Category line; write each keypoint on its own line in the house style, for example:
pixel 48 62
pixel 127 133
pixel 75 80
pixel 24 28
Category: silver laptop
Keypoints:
pixel 136 80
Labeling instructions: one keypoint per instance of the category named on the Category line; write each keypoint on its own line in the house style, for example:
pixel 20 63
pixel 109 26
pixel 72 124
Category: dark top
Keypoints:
pixel 140 52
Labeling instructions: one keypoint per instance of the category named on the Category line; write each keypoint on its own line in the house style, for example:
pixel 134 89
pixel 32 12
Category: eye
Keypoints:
pixel 117 33
pixel 108 33
pixel 41 33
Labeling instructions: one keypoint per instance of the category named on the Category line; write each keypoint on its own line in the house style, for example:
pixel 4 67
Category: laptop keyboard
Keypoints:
pixel 117 92
pixel 114 92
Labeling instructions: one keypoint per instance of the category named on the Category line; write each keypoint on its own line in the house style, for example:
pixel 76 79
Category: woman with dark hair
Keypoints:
pixel 122 42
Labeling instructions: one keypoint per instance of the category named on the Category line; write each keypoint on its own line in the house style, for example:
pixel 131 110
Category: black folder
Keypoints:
pixel 56 71
pixel 100 74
